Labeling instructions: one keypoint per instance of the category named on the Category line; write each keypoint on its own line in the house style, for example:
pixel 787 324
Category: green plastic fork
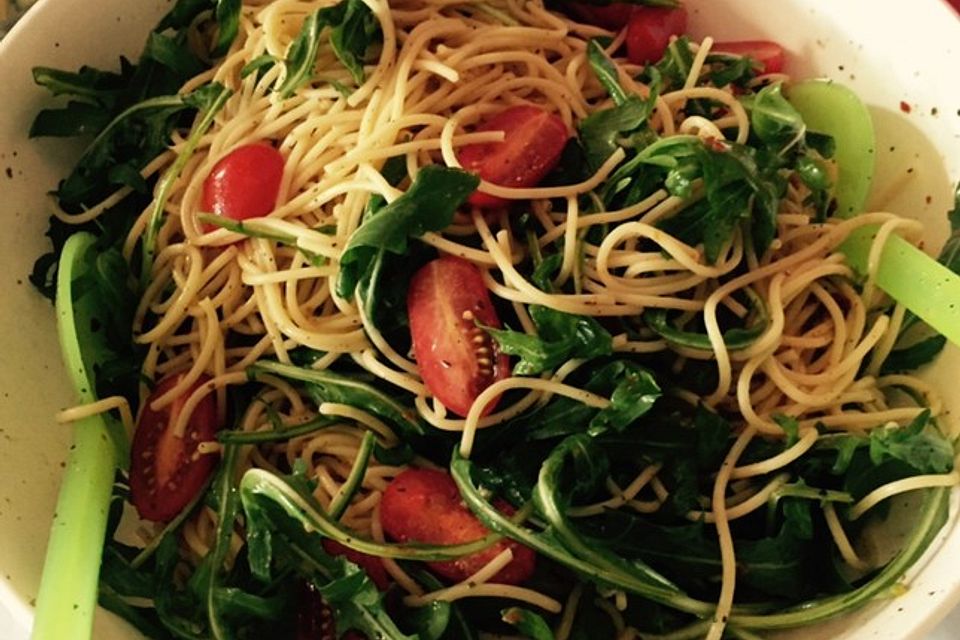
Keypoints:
pixel 68 588
pixel 907 274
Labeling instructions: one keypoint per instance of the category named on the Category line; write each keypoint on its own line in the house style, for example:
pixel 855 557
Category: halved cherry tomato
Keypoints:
pixel 456 358
pixel 424 505
pixel 315 619
pixel 534 140
pixel 244 183
pixel 166 471
pixel 372 565
pixel 769 55
pixel 611 16
pixel 649 30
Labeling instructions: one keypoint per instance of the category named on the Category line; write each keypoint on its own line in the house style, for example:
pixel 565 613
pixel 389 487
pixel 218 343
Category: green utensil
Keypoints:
pixel 68 588
pixel 907 274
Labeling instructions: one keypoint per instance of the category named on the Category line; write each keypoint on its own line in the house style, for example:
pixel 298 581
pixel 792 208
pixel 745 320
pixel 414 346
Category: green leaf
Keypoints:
pixel 676 63
pixel 633 397
pixel 954 215
pixel 602 132
pixel 428 205
pixel 528 623
pixel 258 65
pixel 561 336
pixel 914 356
pixel 773 119
pixel 353 30
pixel 917 444
pixel 606 71
pixel 351 38
pixel 790 427
pixel 170 52
pixel 326 386
pixel 735 338
pixel 227 14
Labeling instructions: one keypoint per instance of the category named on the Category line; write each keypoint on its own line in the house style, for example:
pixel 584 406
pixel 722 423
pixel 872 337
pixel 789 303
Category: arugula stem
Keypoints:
pixel 932 516
pixel 233 436
pixel 258 485
pixel 170 177
pixel 349 488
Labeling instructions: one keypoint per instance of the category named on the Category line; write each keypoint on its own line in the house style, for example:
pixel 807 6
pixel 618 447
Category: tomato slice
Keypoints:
pixel 534 140
pixel 315 618
pixel 649 30
pixel 166 472
pixel 424 505
pixel 769 55
pixel 456 358
pixel 372 565
pixel 244 183
pixel 611 16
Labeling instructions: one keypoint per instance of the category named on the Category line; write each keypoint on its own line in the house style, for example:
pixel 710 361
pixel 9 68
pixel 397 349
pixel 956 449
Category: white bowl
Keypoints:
pixel 891 52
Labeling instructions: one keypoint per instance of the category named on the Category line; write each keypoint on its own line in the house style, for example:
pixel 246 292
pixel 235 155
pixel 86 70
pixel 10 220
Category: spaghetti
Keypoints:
pixel 220 299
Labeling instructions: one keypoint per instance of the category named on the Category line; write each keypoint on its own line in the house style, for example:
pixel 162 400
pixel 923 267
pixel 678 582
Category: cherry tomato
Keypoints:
pixel 534 140
pixel 244 183
pixel 315 619
pixel 611 16
pixel 769 55
pixel 649 30
pixel 372 565
pixel 456 358
pixel 424 505
pixel 166 471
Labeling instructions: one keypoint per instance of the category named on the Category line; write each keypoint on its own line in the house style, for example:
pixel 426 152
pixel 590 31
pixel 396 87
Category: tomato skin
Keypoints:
pixel 372 565
pixel 457 359
pixel 611 16
pixel 533 142
pixel 244 183
pixel 166 472
pixel 424 505
pixel 649 30
pixel 769 55
pixel 315 619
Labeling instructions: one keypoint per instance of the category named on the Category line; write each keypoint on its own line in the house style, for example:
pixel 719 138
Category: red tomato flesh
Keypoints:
pixel 315 619
pixel 166 472
pixel 769 55
pixel 424 505
pixel 533 142
pixel 372 565
pixel 611 16
pixel 649 30
pixel 244 183
pixel 456 358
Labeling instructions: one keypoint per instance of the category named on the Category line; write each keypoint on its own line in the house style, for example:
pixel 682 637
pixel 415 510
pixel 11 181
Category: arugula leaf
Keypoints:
pixel 790 427
pixel 208 100
pixel 633 397
pixel 228 25
pixel 602 132
pixel 353 35
pixel 918 445
pixel 561 336
pixel 274 531
pixel 326 386
pixel 428 205
pixel 730 70
pixel 258 65
pixel 735 338
pixel 737 192
pixel 773 119
pixel 353 29
pixel 528 623
pixel 676 63
pixel 914 356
